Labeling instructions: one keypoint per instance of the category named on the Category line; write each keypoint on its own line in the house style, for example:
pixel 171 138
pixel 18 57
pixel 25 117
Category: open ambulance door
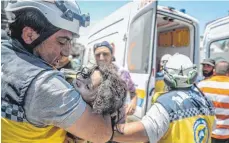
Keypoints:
pixel 140 57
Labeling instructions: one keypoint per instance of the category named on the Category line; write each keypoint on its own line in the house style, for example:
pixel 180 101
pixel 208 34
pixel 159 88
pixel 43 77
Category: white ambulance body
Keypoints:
pixel 142 34
pixel 216 39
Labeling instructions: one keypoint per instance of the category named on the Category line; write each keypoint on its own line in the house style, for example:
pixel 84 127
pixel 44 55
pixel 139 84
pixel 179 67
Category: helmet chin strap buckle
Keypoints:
pixel 181 71
pixel 68 15
pixel 85 20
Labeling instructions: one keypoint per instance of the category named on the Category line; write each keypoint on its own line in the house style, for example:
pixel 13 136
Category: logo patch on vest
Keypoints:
pixel 201 132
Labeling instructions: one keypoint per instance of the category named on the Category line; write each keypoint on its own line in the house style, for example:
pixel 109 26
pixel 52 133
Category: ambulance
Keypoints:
pixel 216 39
pixel 142 33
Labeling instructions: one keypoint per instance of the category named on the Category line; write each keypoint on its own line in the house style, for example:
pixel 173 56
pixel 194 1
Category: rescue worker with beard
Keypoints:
pixel 208 68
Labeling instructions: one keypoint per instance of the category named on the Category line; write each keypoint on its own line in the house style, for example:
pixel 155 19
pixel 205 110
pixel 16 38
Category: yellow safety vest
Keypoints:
pixel 24 132
pixel 190 122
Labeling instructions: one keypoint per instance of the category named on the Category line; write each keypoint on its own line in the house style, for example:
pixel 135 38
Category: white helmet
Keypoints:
pixel 179 72
pixel 164 59
pixel 62 14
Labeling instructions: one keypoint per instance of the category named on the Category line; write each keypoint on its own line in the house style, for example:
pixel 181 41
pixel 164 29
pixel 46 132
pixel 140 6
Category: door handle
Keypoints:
pixel 151 91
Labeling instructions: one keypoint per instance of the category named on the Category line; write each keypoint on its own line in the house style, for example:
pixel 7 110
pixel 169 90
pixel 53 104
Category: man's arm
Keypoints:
pixel 152 127
pixel 132 105
pixel 125 75
pixel 53 101
pixel 92 127
pixel 132 132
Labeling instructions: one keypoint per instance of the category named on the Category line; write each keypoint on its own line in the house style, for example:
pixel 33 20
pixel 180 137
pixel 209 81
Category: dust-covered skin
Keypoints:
pixel 109 94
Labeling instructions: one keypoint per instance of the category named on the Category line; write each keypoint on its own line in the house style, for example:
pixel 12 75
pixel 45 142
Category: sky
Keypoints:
pixel 98 10
pixel 204 11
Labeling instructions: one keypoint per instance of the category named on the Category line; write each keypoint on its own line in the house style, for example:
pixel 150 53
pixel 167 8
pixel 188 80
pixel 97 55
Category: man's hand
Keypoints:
pixel 96 78
pixel 131 133
pixel 132 106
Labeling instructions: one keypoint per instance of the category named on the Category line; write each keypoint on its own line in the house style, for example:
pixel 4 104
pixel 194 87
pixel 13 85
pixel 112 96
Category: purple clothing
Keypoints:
pixel 125 75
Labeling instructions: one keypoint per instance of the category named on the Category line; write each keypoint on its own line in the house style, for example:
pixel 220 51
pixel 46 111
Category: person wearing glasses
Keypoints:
pixel 104 55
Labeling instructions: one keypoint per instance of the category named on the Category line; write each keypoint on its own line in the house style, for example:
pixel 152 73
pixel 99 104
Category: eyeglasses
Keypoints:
pixel 84 72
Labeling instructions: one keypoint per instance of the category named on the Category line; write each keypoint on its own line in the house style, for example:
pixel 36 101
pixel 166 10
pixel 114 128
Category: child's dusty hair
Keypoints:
pixel 110 93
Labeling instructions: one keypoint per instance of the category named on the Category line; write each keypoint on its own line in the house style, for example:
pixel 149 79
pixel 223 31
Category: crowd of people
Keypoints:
pixel 40 102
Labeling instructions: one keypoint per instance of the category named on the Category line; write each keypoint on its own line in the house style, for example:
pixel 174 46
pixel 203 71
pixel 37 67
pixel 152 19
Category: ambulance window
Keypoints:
pixel 139 44
pixel 220 49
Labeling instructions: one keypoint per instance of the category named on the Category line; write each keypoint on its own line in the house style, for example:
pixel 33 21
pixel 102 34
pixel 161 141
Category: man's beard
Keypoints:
pixel 102 63
pixel 207 74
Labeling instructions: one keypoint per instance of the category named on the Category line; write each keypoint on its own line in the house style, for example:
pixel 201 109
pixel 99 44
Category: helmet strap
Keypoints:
pixel 43 36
